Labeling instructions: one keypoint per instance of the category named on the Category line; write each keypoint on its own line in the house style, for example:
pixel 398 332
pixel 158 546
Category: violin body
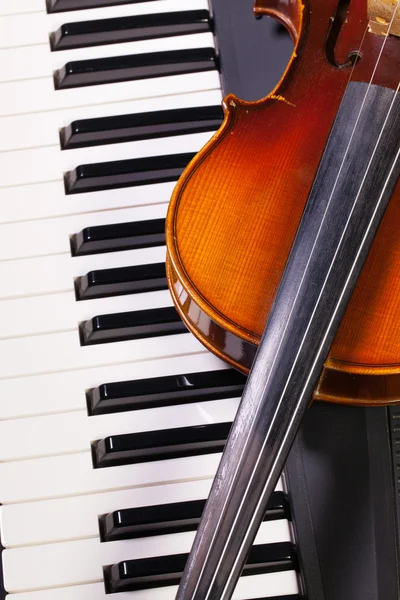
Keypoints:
pixel 235 211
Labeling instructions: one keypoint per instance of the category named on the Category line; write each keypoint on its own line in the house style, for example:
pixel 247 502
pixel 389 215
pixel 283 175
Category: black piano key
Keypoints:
pixel 164 391
pixel 160 571
pixel 128 128
pixel 146 521
pixel 126 173
pixel 129 29
pixel 270 558
pixel 98 71
pixel 175 517
pixel 65 5
pixel 131 326
pixel 132 448
pixel 124 280
pixel 119 236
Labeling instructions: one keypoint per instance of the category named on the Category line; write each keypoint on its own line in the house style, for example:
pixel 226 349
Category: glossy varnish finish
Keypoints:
pixel 229 236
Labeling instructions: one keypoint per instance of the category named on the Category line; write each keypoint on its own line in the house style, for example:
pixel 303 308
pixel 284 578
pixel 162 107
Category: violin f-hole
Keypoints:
pixel 337 22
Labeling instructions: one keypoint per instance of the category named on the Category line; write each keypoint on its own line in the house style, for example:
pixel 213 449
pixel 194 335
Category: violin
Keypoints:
pixel 283 254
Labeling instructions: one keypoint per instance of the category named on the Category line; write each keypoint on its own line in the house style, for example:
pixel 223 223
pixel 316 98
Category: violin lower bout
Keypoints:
pixel 341 381
pixel 223 281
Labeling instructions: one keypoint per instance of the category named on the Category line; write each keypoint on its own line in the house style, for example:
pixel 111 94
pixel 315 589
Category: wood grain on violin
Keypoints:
pixel 234 213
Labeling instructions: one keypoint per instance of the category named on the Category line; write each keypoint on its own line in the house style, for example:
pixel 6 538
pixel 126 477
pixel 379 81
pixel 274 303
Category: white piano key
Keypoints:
pixel 61 312
pixel 41 129
pixel 55 273
pixel 62 352
pixel 250 587
pixel 39 95
pixel 81 561
pixel 36 165
pixel 52 236
pixel 62 519
pixel 75 431
pixel 47 200
pixel 73 474
pixel 21 6
pixel 27 28
pixel 39 61
pixel 65 391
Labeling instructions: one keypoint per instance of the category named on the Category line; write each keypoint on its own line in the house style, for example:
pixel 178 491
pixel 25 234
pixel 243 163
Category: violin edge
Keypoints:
pixel 339 383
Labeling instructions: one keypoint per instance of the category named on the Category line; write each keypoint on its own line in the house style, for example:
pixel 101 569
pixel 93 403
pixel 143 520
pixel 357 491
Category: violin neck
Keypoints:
pixel 354 182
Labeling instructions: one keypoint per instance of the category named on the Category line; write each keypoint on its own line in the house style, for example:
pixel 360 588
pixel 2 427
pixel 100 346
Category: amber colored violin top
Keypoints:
pixel 235 211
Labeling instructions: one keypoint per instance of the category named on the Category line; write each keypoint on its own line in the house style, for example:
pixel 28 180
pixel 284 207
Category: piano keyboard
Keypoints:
pixel 112 416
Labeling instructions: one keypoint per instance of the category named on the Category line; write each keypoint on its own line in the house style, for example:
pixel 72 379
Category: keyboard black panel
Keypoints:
pixel 341 483
pixel 394 420
pixel 253 53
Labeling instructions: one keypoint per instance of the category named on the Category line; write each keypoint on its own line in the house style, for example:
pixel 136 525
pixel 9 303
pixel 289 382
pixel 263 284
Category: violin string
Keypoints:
pixel 249 434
